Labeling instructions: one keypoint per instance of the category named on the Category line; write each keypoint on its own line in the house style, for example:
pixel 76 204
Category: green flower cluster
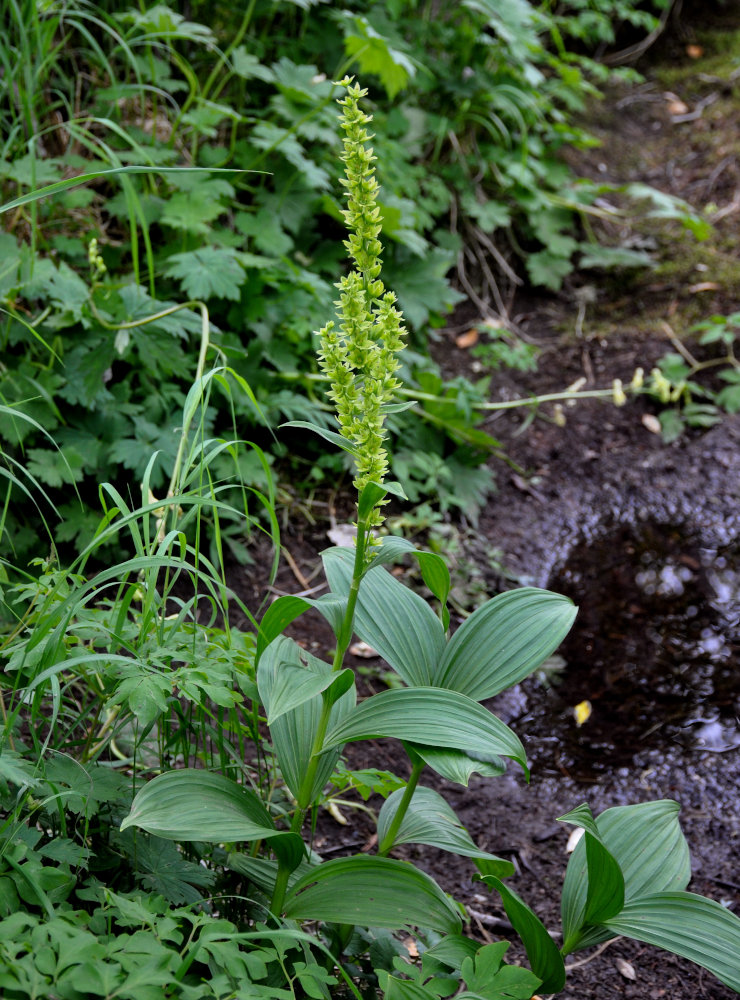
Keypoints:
pixel 359 358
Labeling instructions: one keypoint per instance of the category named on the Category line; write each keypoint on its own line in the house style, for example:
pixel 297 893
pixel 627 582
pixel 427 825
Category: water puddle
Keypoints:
pixel 655 651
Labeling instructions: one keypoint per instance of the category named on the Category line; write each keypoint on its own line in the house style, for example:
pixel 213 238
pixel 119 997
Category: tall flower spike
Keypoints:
pixel 360 357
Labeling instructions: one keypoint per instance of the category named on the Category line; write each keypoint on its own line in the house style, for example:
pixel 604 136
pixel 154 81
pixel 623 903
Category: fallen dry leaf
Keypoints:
pixel 625 968
pixel 364 651
pixel 343 535
pixel 694 51
pixel 678 108
pixel 573 839
pixel 705 286
pixel 468 339
pixel 411 947
pixel 651 423
pixel 582 712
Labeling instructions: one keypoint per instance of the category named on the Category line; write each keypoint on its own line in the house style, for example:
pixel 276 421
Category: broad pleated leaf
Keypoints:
pixel 263 871
pixel 276 619
pixel 605 883
pixel 430 717
pixel 392 619
pixel 459 766
pixel 286 609
pixel 433 568
pixel 647 843
pixel 504 641
pixel 293 733
pixel 431 821
pixel 372 892
pixel 687 925
pixel 542 952
pixel 199 805
pixel 295 685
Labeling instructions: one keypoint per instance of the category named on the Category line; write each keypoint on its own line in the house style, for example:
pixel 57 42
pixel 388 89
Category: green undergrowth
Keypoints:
pixel 472 107
pixel 162 770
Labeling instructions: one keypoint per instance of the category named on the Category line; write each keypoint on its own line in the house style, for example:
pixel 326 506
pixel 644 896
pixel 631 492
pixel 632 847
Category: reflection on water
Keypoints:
pixel 655 649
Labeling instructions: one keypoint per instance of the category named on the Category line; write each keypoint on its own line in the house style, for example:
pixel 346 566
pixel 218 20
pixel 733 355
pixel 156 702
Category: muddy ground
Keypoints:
pixel 644 536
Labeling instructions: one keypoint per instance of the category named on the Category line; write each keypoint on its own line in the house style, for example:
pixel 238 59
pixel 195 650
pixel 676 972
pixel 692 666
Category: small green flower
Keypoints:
pixel 359 358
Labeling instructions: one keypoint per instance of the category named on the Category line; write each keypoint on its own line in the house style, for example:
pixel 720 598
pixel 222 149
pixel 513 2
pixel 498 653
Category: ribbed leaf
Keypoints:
pixel 433 568
pixel 199 805
pixel 459 766
pixel 542 952
pixel 687 925
pixel 276 619
pixel 605 882
pixel 504 641
pixel 293 732
pixel 293 683
pixel 430 717
pixel 392 619
pixel 372 892
pixel 263 871
pixel 431 821
pixel 286 609
pixel 647 843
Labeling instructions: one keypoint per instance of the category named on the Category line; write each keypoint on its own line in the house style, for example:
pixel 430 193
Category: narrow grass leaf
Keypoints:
pixel 70 182
pixel 331 436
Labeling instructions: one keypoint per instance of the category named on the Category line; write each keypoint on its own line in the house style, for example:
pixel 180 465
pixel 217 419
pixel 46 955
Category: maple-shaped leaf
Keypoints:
pixel 83 788
pixel 208 272
pixel 729 397
pixel 272 137
pixel 373 54
pixel 548 269
pixel 15 770
pixel 86 370
pixel 422 287
pixel 197 202
pixel 265 229
pixel 300 83
pixel 162 869
pixel 54 468
pixel 247 65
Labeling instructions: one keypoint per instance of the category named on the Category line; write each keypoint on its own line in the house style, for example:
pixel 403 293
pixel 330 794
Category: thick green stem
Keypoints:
pixel 387 842
pixel 343 641
pixel 281 887
pixel 345 633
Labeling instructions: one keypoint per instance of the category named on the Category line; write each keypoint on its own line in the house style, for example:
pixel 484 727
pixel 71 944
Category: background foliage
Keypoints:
pixel 472 104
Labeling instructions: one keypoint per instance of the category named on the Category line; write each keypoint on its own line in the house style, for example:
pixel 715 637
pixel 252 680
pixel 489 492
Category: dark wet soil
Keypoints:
pixel 646 539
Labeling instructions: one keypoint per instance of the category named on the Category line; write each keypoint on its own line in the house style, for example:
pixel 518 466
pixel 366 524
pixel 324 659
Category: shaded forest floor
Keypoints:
pixel 644 535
